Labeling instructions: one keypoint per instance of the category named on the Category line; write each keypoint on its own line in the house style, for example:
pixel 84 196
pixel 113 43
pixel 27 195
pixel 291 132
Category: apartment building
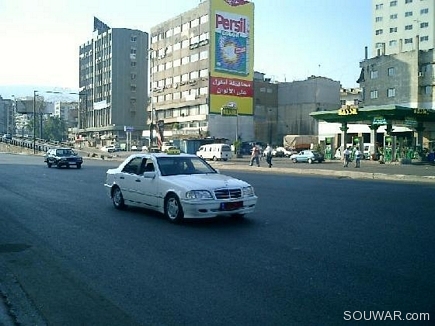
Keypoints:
pixel 202 72
pixel 113 78
pixel 402 25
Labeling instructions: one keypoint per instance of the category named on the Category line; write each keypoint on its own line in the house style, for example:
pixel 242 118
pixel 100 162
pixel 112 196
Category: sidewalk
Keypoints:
pixel 373 170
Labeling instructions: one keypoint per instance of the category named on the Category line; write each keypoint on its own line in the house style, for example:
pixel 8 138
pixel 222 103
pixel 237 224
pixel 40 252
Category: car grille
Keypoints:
pixel 228 193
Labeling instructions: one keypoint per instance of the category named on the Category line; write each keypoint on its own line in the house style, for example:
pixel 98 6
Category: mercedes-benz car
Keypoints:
pixel 62 157
pixel 179 186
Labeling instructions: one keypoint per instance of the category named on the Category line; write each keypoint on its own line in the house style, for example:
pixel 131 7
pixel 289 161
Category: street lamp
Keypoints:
pixel 34 121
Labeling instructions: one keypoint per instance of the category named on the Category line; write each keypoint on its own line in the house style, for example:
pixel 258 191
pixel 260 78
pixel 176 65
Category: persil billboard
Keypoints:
pixel 232 55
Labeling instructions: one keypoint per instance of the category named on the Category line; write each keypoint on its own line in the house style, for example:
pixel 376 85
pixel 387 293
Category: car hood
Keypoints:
pixel 205 181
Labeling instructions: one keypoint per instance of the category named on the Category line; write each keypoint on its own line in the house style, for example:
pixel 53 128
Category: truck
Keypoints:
pixel 300 142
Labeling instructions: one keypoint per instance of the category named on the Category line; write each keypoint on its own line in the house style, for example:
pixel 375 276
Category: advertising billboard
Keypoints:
pixel 232 55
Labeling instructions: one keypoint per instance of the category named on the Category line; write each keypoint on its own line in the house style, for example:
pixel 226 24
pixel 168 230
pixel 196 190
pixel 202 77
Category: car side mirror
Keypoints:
pixel 149 175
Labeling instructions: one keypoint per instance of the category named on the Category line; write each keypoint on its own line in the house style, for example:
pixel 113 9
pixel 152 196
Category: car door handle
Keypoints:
pixel 121 177
pixel 137 180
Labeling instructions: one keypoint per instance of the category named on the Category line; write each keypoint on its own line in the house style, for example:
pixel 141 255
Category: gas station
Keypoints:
pixel 396 133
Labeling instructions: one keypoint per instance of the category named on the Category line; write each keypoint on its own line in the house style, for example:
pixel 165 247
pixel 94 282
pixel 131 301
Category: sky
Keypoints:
pixel 294 39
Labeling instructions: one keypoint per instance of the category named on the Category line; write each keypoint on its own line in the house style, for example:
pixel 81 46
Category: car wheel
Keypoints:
pixel 79 166
pixel 214 158
pixel 117 198
pixel 59 165
pixel 310 160
pixel 238 216
pixel 295 160
pixel 49 164
pixel 173 209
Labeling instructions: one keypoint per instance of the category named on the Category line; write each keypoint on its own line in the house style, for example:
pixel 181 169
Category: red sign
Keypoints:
pixel 231 86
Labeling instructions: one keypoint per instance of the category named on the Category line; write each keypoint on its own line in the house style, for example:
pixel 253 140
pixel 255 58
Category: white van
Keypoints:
pixel 215 152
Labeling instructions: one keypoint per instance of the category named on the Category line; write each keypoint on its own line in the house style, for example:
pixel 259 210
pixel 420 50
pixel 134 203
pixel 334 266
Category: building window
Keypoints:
pixel 408 13
pixel 203 73
pixel 194 75
pixel 408 40
pixel 379 31
pixel 424 25
pixel 185 27
pixel 194 57
pixel 393 3
pixel 408 27
pixel 184 77
pixel 379 6
pixel 168 65
pixel 177 62
pixel 408 1
pixel 424 11
pixel 391 92
pixel 203 55
pixel 428 90
pixel 393 16
pixel 185 44
pixel 177 79
pixel 378 19
pixel 203 90
pixel 392 43
pixel 177 30
pixel 424 38
pixel 133 76
pixel 133 64
pixel 393 30
pixel 194 23
pixel 169 33
pixel 373 94
pixel 391 71
pixel 133 88
pixel 185 60
pixel 133 38
pixel 177 46
pixel 374 74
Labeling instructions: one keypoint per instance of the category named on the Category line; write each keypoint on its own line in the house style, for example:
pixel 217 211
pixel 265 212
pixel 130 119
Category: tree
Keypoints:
pixel 55 129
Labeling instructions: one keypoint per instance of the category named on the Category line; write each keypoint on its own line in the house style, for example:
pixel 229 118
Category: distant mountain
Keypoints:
pixel 7 91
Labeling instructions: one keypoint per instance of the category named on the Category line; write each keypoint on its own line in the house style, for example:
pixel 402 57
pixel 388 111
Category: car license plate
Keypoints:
pixel 231 206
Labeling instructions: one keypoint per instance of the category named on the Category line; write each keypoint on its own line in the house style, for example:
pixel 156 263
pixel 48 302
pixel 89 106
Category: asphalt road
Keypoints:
pixel 315 248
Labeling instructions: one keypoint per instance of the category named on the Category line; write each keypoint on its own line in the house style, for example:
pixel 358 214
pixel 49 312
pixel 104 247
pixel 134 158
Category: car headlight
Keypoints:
pixel 248 191
pixel 198 194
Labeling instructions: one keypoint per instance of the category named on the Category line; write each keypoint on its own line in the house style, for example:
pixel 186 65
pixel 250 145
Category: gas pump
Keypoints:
pixel 328 148
pixel 388 149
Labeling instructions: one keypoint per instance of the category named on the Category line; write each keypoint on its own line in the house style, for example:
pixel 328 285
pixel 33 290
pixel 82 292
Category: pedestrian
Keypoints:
pixel 255 156
pixel 346 157
pixel 268 153
pixel 358 156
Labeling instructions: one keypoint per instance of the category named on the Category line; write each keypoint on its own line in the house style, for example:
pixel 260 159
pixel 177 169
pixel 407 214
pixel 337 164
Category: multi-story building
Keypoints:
pixel 202 72
pixel 402 25
pixel 67 111
pixel 113 78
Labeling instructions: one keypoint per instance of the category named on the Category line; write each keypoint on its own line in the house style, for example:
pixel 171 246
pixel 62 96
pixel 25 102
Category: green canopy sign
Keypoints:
pixel 379 121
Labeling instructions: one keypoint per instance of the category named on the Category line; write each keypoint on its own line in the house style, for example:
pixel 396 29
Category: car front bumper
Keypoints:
pixel 213 208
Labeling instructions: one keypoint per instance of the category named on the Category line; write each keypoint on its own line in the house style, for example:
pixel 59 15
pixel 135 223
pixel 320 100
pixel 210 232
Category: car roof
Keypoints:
pixel 163 155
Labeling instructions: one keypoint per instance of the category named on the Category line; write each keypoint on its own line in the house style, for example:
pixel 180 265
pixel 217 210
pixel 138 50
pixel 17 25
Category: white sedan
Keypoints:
pixel 178 186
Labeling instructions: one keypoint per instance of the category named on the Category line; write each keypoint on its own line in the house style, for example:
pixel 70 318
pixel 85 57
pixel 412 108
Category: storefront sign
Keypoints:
pixel 421 111
pixel 411 122
pixel 347 111
pixel 379 121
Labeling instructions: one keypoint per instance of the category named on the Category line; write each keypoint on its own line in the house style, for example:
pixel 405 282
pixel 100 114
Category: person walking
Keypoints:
pixel 358 156
pixel 255 156
pixel 268 153
pixel 346 157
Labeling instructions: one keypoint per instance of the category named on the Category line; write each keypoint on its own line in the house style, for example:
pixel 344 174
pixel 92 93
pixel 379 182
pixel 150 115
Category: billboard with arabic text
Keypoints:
pixel 232 55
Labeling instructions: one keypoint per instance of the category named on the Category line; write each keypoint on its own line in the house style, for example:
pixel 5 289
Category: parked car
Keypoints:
pixel 282 152
pixel 215 152
pixel 109 148
pixel 62 157
pixel 309 156
pixel 179 186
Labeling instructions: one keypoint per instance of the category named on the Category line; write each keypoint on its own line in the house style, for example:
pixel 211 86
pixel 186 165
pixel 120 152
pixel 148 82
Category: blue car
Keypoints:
pixel 307 156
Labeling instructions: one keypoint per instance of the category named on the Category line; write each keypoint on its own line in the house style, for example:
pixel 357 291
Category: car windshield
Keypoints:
pixel 64 152
pixel 175 165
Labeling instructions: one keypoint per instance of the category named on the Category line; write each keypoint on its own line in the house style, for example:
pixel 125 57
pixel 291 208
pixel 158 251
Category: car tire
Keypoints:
pixel 173 210
pixel 237 216
pixel 295 160
pixel 215 158
pixel 79 166
pixel 48 164
pixel 58 165
pixel 117 198
pixel 310 160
